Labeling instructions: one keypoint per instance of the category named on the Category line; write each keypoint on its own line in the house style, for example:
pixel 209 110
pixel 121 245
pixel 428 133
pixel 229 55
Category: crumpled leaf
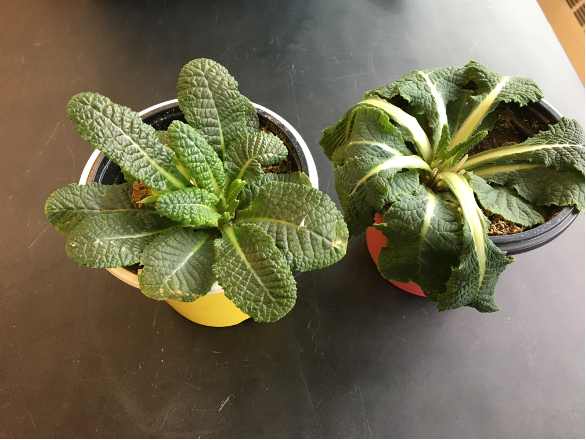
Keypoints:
pixel 69 206
pixel 253 273
pixel 178 265
pixel 303 222
pixel 114 240
pixel 190 206
pixel 121 135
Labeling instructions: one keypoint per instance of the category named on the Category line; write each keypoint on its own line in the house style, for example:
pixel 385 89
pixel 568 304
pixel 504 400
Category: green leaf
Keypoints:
pixel 178 265
pixel 252 122
pixel 374 136
pixel 121 135
pixel 374 194
pixel 560 147
pixel 253 273
pixel 424 236
pixel 493 88
pixel 229 202
pixel 199 158
pixel 472 283
pixel 364 186
pixel 505 202
pixel 209 98
pixel 538 184
pixel 69 206
pixel 243 160
pixel 303 222
pixel 335 138
pixel 251 189
pixel 190 206
pixel 408 122
pixel 114 240
pixel 428 93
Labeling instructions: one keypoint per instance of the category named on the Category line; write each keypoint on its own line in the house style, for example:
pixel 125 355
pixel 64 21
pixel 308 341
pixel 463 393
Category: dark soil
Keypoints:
pixel 513 126
pixel 287 166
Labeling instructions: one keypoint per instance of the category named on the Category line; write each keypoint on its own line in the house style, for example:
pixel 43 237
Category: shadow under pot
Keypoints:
pixel 213 309
pixel 528 120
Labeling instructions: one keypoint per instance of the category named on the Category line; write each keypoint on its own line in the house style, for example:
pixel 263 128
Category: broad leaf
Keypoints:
pixel 303 222
pixel 493 88
pixel 424 236
pixel 209 98
pixel 198 157
pixel 364 186
pixel 252 122
pixel 251 189
pixel 121 135
pixel 69 206
pixel 114 240
pixel 407 122
pixel 254 273
pixel 190 206
pixel 505 202
pixel 538 184
pixel 560 147
pixel 178 265
pixel 472 283
pixel 335 138
pixel 243 160
pixel 374 136
pixel 428 93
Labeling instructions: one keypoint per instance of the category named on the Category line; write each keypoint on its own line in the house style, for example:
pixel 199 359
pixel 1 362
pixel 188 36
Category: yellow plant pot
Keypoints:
pixel 213 309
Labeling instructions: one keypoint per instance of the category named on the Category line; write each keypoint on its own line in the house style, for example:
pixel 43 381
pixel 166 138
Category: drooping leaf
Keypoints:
pixel 69 206
pixel 364 186
pixel 472 283
pixel 428 93
pixel 253 273
pixel 252 122
pixel 538 184
pixel 251 189
pixel 407 122
pixel 424 241
pixel 335 138
pixel 373 136
pixel 560 147
pixel 493 88
pixel 303 222
pixel 114 240
pixel 505 202
pixel 209 98
pixel 376 192
pixel 121 135
pixel 190 206
pixel 198 157
pixel 243 160
pixel 178 265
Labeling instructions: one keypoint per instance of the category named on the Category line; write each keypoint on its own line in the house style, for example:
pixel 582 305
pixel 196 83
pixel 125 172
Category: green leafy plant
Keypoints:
pixel 205 210
pixel 404 147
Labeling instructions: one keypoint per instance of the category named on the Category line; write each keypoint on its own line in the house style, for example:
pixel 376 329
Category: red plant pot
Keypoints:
pixel 375 240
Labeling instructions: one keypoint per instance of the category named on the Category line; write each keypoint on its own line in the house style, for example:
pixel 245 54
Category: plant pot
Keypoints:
pixel 213 309
pixel 513 244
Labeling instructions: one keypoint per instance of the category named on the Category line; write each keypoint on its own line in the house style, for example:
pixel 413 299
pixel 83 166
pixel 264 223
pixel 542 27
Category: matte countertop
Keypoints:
pixel 84 355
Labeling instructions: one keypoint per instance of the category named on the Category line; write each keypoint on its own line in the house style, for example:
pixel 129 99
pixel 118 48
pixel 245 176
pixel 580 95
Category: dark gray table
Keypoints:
pixel 84 355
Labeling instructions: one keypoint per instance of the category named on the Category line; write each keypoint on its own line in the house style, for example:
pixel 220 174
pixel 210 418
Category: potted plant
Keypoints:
pixel 413 151
pixel 196 206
